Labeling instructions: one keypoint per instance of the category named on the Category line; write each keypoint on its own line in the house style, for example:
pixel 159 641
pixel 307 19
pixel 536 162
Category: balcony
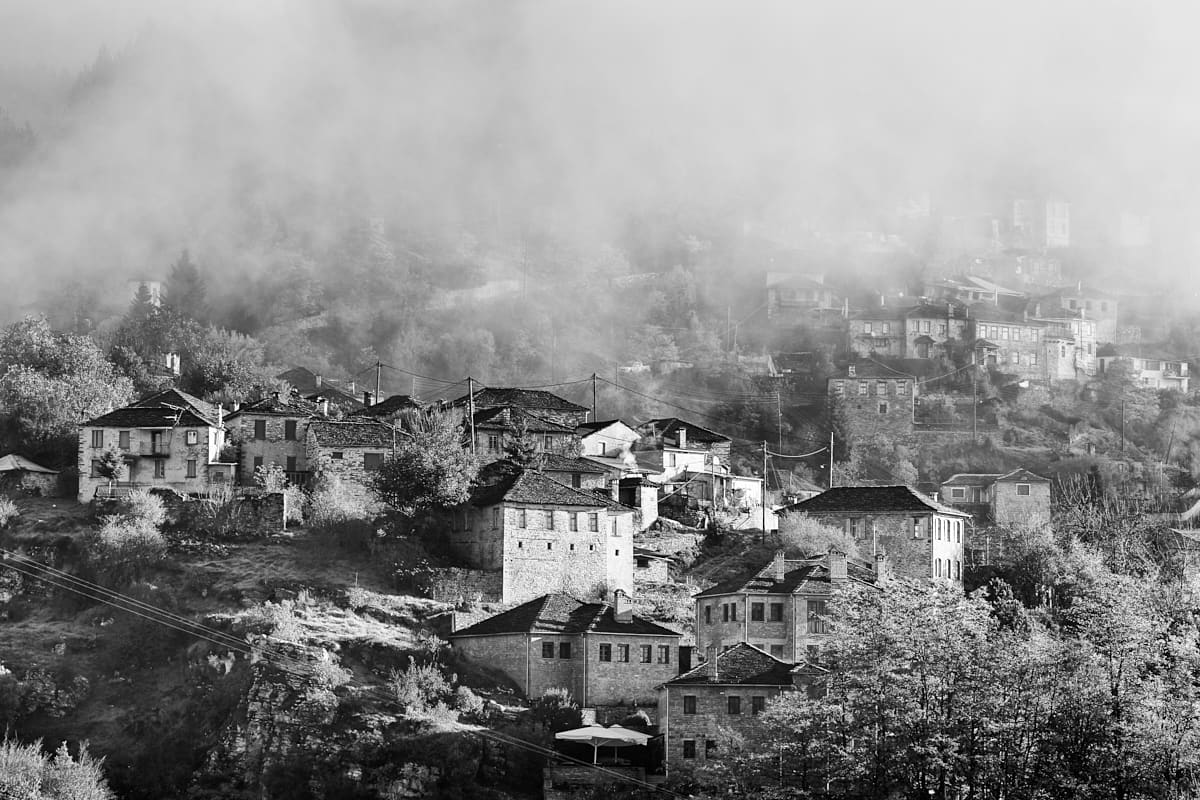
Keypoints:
pixel 155 449
pixel 117 490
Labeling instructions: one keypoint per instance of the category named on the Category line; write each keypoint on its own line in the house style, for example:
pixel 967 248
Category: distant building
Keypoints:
pixel 20 474
pixel 793 297
pixel 920 331
pixel 781 608
pixel 607 439
pixel 535 402
pixel 1041 223
pixel 1099 306
pixel 338 397
pixel 874 399
pixel 1150 365
pixel 170 440
pixel 1017 499
pixel 601 652
pixel 724 694
pixel 543 535
pixel 921 537
pixel 496 428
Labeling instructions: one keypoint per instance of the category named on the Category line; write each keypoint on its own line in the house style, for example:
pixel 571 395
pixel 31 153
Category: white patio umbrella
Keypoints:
pixel 599 736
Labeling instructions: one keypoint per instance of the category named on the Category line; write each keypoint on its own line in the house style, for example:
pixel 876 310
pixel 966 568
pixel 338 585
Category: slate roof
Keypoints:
pixel 529 487
pixel 510 418
pixel 1023 476
pixel 562 614
pixel 304 381
pixel 592 427
pixel 553 462
pixel 166 409
pixel 374 435
pixel 871 499
pixel 386 408
pixel 278 405
pixel 742 664
pixel 531 399
pixel 924 339
pixel 15 463
pixel 870 369
pixel 801 576
pixel 667 426
pixel 972 479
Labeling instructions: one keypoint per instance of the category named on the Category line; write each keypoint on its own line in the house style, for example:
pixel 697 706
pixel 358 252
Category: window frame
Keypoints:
pixel 622 653
pixel 564 650
pixel 605 651
pixel 733 705
pixel 689 704
pixel 260 430
pixel 646 654
pixel 776 612
pixel 290 429
pixel 758 612
pixel 548 649
pixel 689 748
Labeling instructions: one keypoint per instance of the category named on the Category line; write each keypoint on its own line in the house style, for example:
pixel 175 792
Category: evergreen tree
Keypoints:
pixel 186 293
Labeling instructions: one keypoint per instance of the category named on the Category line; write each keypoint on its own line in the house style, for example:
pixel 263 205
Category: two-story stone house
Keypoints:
pixel 1017 499
pixel 543 535
pixel 601 652
pixel 1150 365
pixel 669 447
pixel 723 695
pixel 273 431
pixel 875 400
pixel 606 439
pixel 919 331
pixel 921 537
pixel 542 404
pixel 170 440
pixel 495 428
pixel 578 473
pixel 781 608
pixel 351 452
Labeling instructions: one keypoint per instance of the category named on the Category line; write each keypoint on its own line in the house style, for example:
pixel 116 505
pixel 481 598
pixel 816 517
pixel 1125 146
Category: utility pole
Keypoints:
pixel 764 491
pixel 378 370
pixel 779 417
pixel 595 378
pixel 1122 423
pixel 831 459
pixel 471 410
pixel 975 406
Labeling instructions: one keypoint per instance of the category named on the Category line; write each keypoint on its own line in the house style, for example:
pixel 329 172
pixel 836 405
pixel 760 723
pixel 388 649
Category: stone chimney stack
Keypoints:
pixel 368 399
pixel 879 559
pixel 711 671
pixel 835 560
pixel 320 381
pixel 324 406
pixel 681 437
pixel 778 567
pixel 622 607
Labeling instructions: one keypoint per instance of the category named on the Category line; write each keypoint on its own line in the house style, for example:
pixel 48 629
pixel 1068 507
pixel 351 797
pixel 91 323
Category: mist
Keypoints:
pixel 496 118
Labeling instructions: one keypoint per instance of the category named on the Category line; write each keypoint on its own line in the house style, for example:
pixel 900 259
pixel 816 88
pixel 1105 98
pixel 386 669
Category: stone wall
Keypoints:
pixel 628 683
pixel 657 570
pixel 710 723
pixel 913 550
pixel 462 586
pixel 141 468
pixel 252 515
pixel 275 448
pixel 349 468
pixel 1022 511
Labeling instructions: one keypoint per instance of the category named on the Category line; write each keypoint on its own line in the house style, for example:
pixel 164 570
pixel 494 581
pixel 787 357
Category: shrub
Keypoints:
pixel 555 711
pixel 270 479
pixel 276 620
pixel 142 507
pixel 468 703
pixel 123 549
pixel 803 536
pixel 27 772
pixel 420 688
pixel 8 511
pixel 332 507
pixel 329 674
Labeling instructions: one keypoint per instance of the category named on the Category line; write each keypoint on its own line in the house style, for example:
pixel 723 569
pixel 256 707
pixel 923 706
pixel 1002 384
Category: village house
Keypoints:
pixel 578 473
pixel 601 652
pixel 794 297
pixel 351 452
pixel 1072 336
pixel 723 695
pixel 781 608
pixel 316 388
pixel 273 431
pixel 1149 365
pixel 609 445
pixel 651 566
pixel 20 474
pixel 392 410
pixel 1097 305
pixel 921 537
pixel 1017 499
pixel 496 428
pixel 542 535
pixel 875 400
pixel 919 331
pixel 669 447
pixel 606 439
pixel 535 402
pixel 170 440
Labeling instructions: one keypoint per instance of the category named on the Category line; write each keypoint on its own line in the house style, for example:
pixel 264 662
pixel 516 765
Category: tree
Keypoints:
pixel 430 470
pixel 27 773
pixel 111 464
pixel 186 293
pixel 803 536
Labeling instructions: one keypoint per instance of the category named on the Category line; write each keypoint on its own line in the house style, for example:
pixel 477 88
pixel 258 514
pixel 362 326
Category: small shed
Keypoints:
pixel 18 473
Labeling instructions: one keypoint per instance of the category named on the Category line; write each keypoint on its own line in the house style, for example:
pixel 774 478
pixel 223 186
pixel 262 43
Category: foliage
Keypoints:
pixel 111 463
pixel 276 620
pixel 125 548
pixel 431 469
pixel 421 689
pixel 143 508
pixel 555 711
pixel 331 505
pixel 274 479
pixel 803 536
pixel 185 291
pixel 27 773
pixel 8 511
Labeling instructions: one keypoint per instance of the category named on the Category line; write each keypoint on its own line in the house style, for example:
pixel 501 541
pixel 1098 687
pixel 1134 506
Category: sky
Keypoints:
pixel 575 115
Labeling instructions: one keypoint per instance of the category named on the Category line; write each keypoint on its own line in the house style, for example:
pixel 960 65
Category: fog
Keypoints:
pixel 494 117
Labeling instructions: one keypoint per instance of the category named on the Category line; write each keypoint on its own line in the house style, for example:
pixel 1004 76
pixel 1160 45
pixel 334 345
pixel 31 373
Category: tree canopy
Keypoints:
pixel 430 470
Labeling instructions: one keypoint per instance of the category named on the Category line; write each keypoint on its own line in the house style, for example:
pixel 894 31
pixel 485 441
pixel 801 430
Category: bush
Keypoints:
pixel 555 711
pixel 804 536
pixel 276 620
pixel 332 507
pixel 142 507
pixel 468 703
pixel 328 674
pixel 420 688
pixel 8 511
pixel 27 772
pixel 123 549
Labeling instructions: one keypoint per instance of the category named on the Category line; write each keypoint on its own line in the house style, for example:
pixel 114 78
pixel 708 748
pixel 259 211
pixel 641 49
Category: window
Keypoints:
pixel 816 610
pixel 576 480
pixel 854 526
pixel 123 440
pixel 1033 337
pixel 647 654
pixel 191 467
pixel 372 462
pixel 495 517
pixel 708 615
pixel 883 408
pixel 776 612
pixel 670 459
pixel 549 545
pixel 564 649
pixel 734 704
pixel 885 328
pixel 1033 359
pixel 689 745
pixel 521 518
pixel 937 567
pixel 547 649
pixel 289 430
pixel 260 429
pixel 548 442
pixel 710 748
pixel 493 443
pixel 623 653
pixel 1004 333
pixel 614 532
pixel 160 468
pixel 862 388
pixel 1023 489
pixel 902 388
pixel 573 519
pixel 337 455
pixel 881 388
pixel 291 464
pixel 549 520
pixel 258 462
pixel 664 654
pixel 689 704
pixel 606 652
pixel 724 612
pixel 957 570
pixel 916 527
pixel 757 704
pixel 958 492
pixel 733 612
pixel 757 612
pixel 95 468
pixel 593 522
pixel 868 327
pixel 777 650
pixel 603 448
pixel 942 329
pixel 838 388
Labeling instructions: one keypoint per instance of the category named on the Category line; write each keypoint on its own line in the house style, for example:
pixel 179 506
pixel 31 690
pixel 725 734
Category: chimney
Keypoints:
pixel 879 559
pixel 367 398
pixel 850 372
pixel 275 396
pixel 351 386
pixel 835 560
pixel 319 381
pixel 882 300
pixel 681 437
pixel 777 568
pixel 710 665
pixel 324 406
pixel 237 405
pixel 622 607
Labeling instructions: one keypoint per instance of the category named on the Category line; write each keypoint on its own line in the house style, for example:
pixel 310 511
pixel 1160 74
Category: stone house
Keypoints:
pixel 537 402
pixel 877 332
pixel 921 537
pixel 391 410
pixel 919 331
pixel 608 439
pixel 795 297
pixel 495 428
pixel 273 430
pixel 542 535
pixel 723 695
pixel 875 400
pixel 1098 305
pixel 20 474
pixel 351 452
pixel 1010 342
pixel 650 566
pixel 169 440
pixel 669 447
pixel 601 652
pixel 578 473
pixel 1017 499
pixel 781 608
pixel 1150 366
